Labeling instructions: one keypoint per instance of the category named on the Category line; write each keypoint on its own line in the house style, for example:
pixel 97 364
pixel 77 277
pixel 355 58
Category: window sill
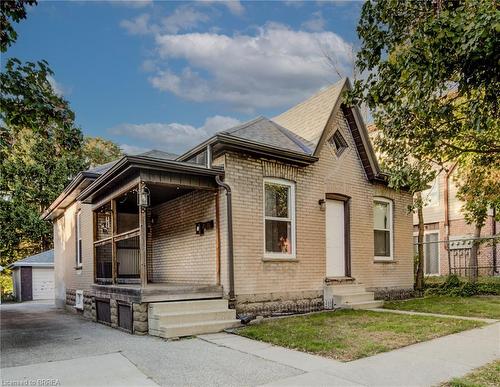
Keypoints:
pixel 384 260
pixel 277 259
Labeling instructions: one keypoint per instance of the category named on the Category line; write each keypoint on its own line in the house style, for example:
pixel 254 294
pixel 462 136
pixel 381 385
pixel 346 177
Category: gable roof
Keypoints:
pixel 265 131
pixel 45 258
pixel 308 119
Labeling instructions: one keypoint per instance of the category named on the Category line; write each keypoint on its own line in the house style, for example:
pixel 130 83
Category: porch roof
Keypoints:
pixel 130 166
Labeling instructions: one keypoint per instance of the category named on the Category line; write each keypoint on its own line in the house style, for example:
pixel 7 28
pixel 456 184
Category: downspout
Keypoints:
pixel 494 244
pixel 447 213
pixel 230 258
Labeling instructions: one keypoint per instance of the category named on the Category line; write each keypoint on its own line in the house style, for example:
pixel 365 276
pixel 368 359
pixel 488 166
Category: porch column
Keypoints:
pixel 142 242
pixel 114 265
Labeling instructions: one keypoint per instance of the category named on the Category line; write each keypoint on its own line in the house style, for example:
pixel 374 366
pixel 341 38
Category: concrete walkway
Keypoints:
pixel 423 364
pixel 410 312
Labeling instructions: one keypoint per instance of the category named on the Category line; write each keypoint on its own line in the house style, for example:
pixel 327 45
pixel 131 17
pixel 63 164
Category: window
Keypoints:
pixel 431 251
pixel 338 142
pixel 431 196
pixel 78 240
pixel 382 228
pixel 279 217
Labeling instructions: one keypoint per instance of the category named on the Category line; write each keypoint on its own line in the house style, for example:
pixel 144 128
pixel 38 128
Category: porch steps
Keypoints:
pixel 187 318
pixel 351 296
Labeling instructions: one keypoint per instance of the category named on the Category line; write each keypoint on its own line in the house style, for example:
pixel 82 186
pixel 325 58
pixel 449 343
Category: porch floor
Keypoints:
pixel 158 292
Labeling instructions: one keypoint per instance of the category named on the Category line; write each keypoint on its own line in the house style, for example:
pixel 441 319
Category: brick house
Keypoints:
pixel 444 221
pixel 272 213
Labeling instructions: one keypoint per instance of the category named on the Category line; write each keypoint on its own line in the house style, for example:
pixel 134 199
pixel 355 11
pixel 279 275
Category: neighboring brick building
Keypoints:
pixel 309 211
pixel 445 222
pixel 445 225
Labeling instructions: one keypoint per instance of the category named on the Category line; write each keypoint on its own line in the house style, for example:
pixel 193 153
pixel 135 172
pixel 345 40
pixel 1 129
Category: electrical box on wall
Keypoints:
pixel 202 226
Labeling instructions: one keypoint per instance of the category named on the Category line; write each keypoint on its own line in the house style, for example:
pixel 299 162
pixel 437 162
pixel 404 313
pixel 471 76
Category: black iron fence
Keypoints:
pixel 453 256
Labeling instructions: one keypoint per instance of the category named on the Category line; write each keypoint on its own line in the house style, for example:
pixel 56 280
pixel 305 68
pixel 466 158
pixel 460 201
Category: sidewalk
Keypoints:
pixel 422 364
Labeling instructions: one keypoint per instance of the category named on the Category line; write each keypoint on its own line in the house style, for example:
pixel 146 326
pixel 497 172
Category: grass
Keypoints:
pixel 486 376
pixel 352 334
pixel 477 306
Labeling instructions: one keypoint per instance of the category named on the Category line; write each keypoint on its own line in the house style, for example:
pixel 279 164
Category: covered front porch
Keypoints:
pixel 156 228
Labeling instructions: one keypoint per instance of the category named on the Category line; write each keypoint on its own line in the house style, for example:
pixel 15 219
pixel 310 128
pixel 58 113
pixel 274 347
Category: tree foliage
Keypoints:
pixel 40 149
pixel 97 151
pixel 431 80
pixel 11 11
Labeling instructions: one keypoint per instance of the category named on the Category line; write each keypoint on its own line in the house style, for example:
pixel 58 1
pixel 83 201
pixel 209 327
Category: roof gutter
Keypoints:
pixel 127 163
pixel 229 142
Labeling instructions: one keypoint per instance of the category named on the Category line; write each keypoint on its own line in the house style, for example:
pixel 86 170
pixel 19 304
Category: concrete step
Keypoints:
pixel 347 298
pixel 364 304
pixel 180 330
pixel 163 319
pixel 347 289
pixel 187 306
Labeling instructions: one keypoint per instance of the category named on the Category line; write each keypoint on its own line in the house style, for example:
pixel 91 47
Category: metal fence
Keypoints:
pixel 453 256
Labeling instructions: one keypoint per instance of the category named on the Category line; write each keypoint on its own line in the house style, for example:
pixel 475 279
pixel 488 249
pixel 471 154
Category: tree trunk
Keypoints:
pixel 419 276
pixel 473 262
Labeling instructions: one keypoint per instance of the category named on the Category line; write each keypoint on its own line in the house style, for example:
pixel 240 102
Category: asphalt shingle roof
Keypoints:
pixel 265 131
pixel 309 118
pixel 154 153
pixel 47 257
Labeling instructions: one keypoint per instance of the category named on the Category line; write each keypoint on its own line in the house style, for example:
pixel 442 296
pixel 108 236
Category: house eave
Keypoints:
pixel 224 142
pixel 129 164
pixel 81 181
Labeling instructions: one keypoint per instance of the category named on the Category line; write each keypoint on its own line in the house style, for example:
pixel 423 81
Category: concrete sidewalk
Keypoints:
pixel 423 364
pixel 104 370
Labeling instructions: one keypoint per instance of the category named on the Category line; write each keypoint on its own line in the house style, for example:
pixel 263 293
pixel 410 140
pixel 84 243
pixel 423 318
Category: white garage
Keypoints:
pixel 33 277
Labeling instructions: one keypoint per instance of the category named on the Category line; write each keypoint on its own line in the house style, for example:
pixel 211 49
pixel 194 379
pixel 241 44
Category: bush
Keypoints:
pixel 456 287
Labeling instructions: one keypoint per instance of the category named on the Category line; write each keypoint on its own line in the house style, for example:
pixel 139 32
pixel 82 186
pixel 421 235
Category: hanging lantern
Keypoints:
pixel 143 197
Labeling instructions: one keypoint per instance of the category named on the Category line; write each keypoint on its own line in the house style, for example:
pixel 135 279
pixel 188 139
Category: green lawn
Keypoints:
pixel 477 306
pixel 351 334
pixel 486 376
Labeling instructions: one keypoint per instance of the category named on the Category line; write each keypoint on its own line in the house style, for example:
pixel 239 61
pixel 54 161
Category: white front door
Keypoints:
pixel 335 239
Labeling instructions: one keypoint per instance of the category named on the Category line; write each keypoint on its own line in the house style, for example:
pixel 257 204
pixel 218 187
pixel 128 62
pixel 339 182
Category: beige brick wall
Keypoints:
pixel 178 254
pixel 66 274
pixel 344 175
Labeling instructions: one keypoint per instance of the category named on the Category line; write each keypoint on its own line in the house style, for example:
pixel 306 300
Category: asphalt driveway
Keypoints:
pixel 42 344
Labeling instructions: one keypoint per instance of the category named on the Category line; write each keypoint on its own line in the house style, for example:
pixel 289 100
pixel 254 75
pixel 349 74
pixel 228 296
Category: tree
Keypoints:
pixel 40 149
pixel 11 11
pixel 432 79
pixel 97 151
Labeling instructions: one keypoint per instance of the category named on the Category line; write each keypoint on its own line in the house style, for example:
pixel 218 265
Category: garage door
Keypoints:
pixel 43 284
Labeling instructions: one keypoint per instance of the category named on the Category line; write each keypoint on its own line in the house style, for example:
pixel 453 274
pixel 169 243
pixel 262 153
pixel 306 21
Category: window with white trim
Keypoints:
pixel 279 218
pixel 79 252
pixel 382 228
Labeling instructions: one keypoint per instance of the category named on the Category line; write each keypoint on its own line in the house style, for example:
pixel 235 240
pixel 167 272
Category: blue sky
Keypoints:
pixel 167 75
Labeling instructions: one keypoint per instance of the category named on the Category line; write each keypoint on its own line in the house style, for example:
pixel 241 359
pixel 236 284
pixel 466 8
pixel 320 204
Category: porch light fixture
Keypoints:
pixel 322 204
pixel 143 197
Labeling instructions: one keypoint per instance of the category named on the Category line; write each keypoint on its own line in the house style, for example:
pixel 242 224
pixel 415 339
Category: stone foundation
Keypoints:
pixel 139 310
pixel 388 294
pixel 278 303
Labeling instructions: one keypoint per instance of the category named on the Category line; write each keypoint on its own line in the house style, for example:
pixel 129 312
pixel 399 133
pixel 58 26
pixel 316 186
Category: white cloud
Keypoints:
pixel 234 6
pixel 315 23
pixel 173 137
pixel 132 3
pixel 138 26
pixel 181 19
pixel 56 86
pixel 133 149
pixel 275 67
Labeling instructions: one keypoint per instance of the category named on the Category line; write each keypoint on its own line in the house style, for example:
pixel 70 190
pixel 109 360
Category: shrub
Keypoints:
pixel 457 287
